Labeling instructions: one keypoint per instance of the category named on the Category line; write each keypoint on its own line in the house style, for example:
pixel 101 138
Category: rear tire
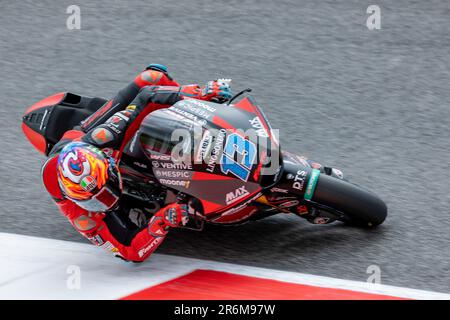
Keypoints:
pixel 360 207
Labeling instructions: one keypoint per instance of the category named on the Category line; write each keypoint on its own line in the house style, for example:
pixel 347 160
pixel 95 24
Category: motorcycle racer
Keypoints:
pixel 82 175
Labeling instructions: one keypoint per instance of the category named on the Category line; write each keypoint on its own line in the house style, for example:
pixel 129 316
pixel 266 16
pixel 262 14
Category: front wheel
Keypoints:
pixel 358 206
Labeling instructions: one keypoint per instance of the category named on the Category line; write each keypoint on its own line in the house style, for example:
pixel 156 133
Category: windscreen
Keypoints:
pixel 161 132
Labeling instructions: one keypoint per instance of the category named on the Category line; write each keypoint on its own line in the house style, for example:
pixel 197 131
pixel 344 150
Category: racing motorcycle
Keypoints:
pixel 225 161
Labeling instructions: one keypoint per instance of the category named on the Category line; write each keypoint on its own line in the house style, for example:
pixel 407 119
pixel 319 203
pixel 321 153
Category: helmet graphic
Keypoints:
pixel 88 177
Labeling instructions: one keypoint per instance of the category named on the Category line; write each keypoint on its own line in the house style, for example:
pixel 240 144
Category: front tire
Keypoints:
pixel 359 206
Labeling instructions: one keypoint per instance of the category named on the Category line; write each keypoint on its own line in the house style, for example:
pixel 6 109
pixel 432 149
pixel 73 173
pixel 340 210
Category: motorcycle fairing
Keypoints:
pixel 45 122
pixel 35 119
pixel 217 184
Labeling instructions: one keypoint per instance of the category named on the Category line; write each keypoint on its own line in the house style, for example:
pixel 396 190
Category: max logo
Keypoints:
pixel 75 168
pixel 259 128
pixel 236 195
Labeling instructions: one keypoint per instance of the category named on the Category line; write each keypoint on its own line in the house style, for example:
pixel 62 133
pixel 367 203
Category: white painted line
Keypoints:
pixel 36 268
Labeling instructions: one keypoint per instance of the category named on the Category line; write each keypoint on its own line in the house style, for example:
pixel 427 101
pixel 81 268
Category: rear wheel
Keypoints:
pixel 358 206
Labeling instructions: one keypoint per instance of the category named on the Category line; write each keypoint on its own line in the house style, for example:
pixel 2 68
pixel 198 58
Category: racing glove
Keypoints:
pixel 175 215
pixel 215 91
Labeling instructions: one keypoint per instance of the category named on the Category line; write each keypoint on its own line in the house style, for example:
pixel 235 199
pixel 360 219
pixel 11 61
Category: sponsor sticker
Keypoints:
pixel 204 147
pixel 216 150
pixel 175 183
pixel 140 165
pixel 149 247
pixel 299 180
pixel 174 174
pixel 178 166
pixel 236 195
pixel 108 246
pixel 97 240
pixel 312 184
pixel 259 127
pixel 160 157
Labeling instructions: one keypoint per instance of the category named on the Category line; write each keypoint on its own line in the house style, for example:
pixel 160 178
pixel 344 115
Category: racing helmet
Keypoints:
pixel 88 177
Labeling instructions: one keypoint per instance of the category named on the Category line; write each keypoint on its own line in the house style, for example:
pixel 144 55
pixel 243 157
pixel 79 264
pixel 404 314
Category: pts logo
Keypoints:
pixel 299 180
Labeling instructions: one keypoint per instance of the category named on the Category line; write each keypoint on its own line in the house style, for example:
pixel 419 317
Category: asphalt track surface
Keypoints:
pixel 373 103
